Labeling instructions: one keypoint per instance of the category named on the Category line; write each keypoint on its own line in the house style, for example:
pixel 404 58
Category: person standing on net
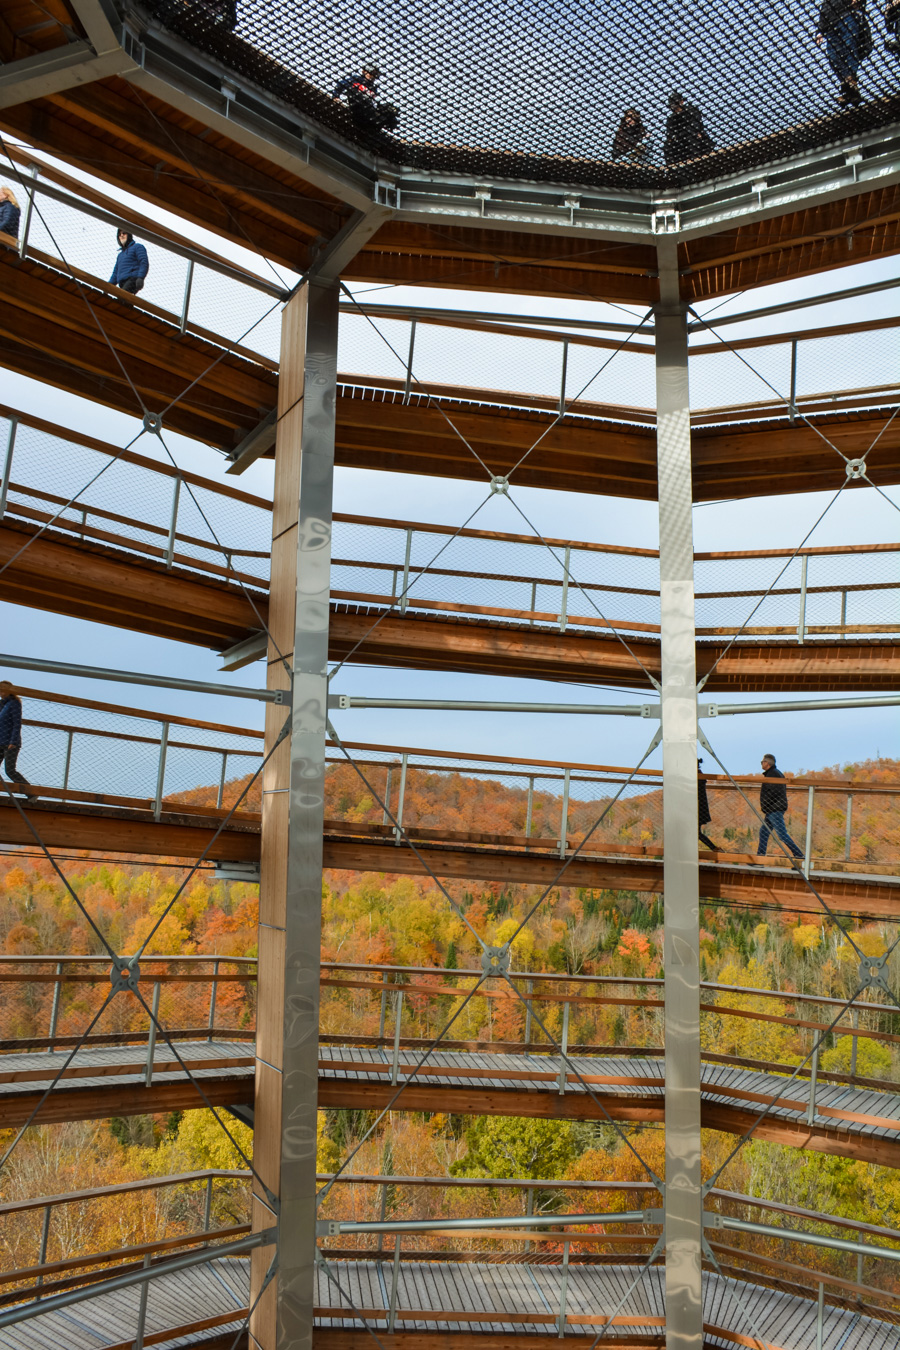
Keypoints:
pixel 11 732
pixel 843 29
pixel 132 263
pixel 773 802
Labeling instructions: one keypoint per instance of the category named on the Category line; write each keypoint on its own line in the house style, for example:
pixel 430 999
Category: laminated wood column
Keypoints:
pixel 292 821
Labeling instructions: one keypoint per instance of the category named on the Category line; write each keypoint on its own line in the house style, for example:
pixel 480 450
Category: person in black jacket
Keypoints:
pixel 773 803
pixel 892 24
pixel 844 29
pixel 686 136
pixel 360 92
pixel 704 816
pixel 11 731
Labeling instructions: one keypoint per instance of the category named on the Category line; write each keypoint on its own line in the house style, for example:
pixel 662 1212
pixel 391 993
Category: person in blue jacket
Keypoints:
pixel 9 213
pixel 11 731
pixel 132 264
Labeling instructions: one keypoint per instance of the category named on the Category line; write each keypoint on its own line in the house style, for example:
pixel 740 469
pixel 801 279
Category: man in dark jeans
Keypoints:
pixel 773 803
pixel 11 731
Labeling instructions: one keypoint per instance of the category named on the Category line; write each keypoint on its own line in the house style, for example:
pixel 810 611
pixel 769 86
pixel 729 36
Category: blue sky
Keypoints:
pixel 807 740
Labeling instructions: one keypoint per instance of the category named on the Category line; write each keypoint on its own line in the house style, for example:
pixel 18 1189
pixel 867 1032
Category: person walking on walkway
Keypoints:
pixel 704 814
pixel 844 30
pixel 773 802
pixel 9 213
pixel 132 263
pixel 11 731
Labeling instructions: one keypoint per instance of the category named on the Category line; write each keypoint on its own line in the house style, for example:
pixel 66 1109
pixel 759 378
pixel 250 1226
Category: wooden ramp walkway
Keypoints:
pixel 184 831
pixel 517 1300
pixel 110 1081
pixel 851 1120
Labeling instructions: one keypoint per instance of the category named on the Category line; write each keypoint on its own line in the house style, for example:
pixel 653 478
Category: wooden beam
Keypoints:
pixel 120 1099
pixel 757 887
pixel 45 309
pixel 109 831
pixel 102 585
pixel 138 143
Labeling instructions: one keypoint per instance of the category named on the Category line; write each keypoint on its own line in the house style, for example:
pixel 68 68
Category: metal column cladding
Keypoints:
pixel 293 815
pixel 678 698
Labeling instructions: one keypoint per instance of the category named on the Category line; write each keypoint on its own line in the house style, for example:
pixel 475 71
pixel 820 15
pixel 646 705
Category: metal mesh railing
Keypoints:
pixel 77 748
pixel 49 1000
pixel 834 591
pixel 135 504
pixel 201 293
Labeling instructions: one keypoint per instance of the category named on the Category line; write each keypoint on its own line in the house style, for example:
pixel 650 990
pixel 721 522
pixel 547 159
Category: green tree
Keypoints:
pixel 504 1147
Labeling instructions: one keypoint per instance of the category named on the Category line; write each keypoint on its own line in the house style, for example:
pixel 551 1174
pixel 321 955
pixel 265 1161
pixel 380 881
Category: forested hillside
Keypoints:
pixel 383 919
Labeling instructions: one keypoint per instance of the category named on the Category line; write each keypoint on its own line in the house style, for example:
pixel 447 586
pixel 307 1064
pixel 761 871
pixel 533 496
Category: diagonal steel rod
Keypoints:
pixel 180 891
pixel 323 1193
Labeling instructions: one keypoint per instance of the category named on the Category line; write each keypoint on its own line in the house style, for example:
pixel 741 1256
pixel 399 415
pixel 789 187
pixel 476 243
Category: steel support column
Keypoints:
pixel 292 823
pixel 678 700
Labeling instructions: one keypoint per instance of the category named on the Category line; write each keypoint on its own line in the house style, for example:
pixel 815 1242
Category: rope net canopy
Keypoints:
pixel 535 89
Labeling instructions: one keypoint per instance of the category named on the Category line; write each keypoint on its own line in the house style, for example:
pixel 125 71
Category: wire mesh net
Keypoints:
pixel 513 90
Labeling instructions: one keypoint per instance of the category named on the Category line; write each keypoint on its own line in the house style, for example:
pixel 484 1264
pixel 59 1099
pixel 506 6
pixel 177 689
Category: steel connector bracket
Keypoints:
pixel 125 975
pixel 872 974
pixel 499 484
pixel 495 960
pixel 153 423
pixel 856 468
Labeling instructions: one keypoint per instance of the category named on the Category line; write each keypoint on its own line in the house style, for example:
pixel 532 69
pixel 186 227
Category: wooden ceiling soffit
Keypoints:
pixel 508 261
pixel 135 142
pixel 816 239
pixel 104 585
pixel 27 27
